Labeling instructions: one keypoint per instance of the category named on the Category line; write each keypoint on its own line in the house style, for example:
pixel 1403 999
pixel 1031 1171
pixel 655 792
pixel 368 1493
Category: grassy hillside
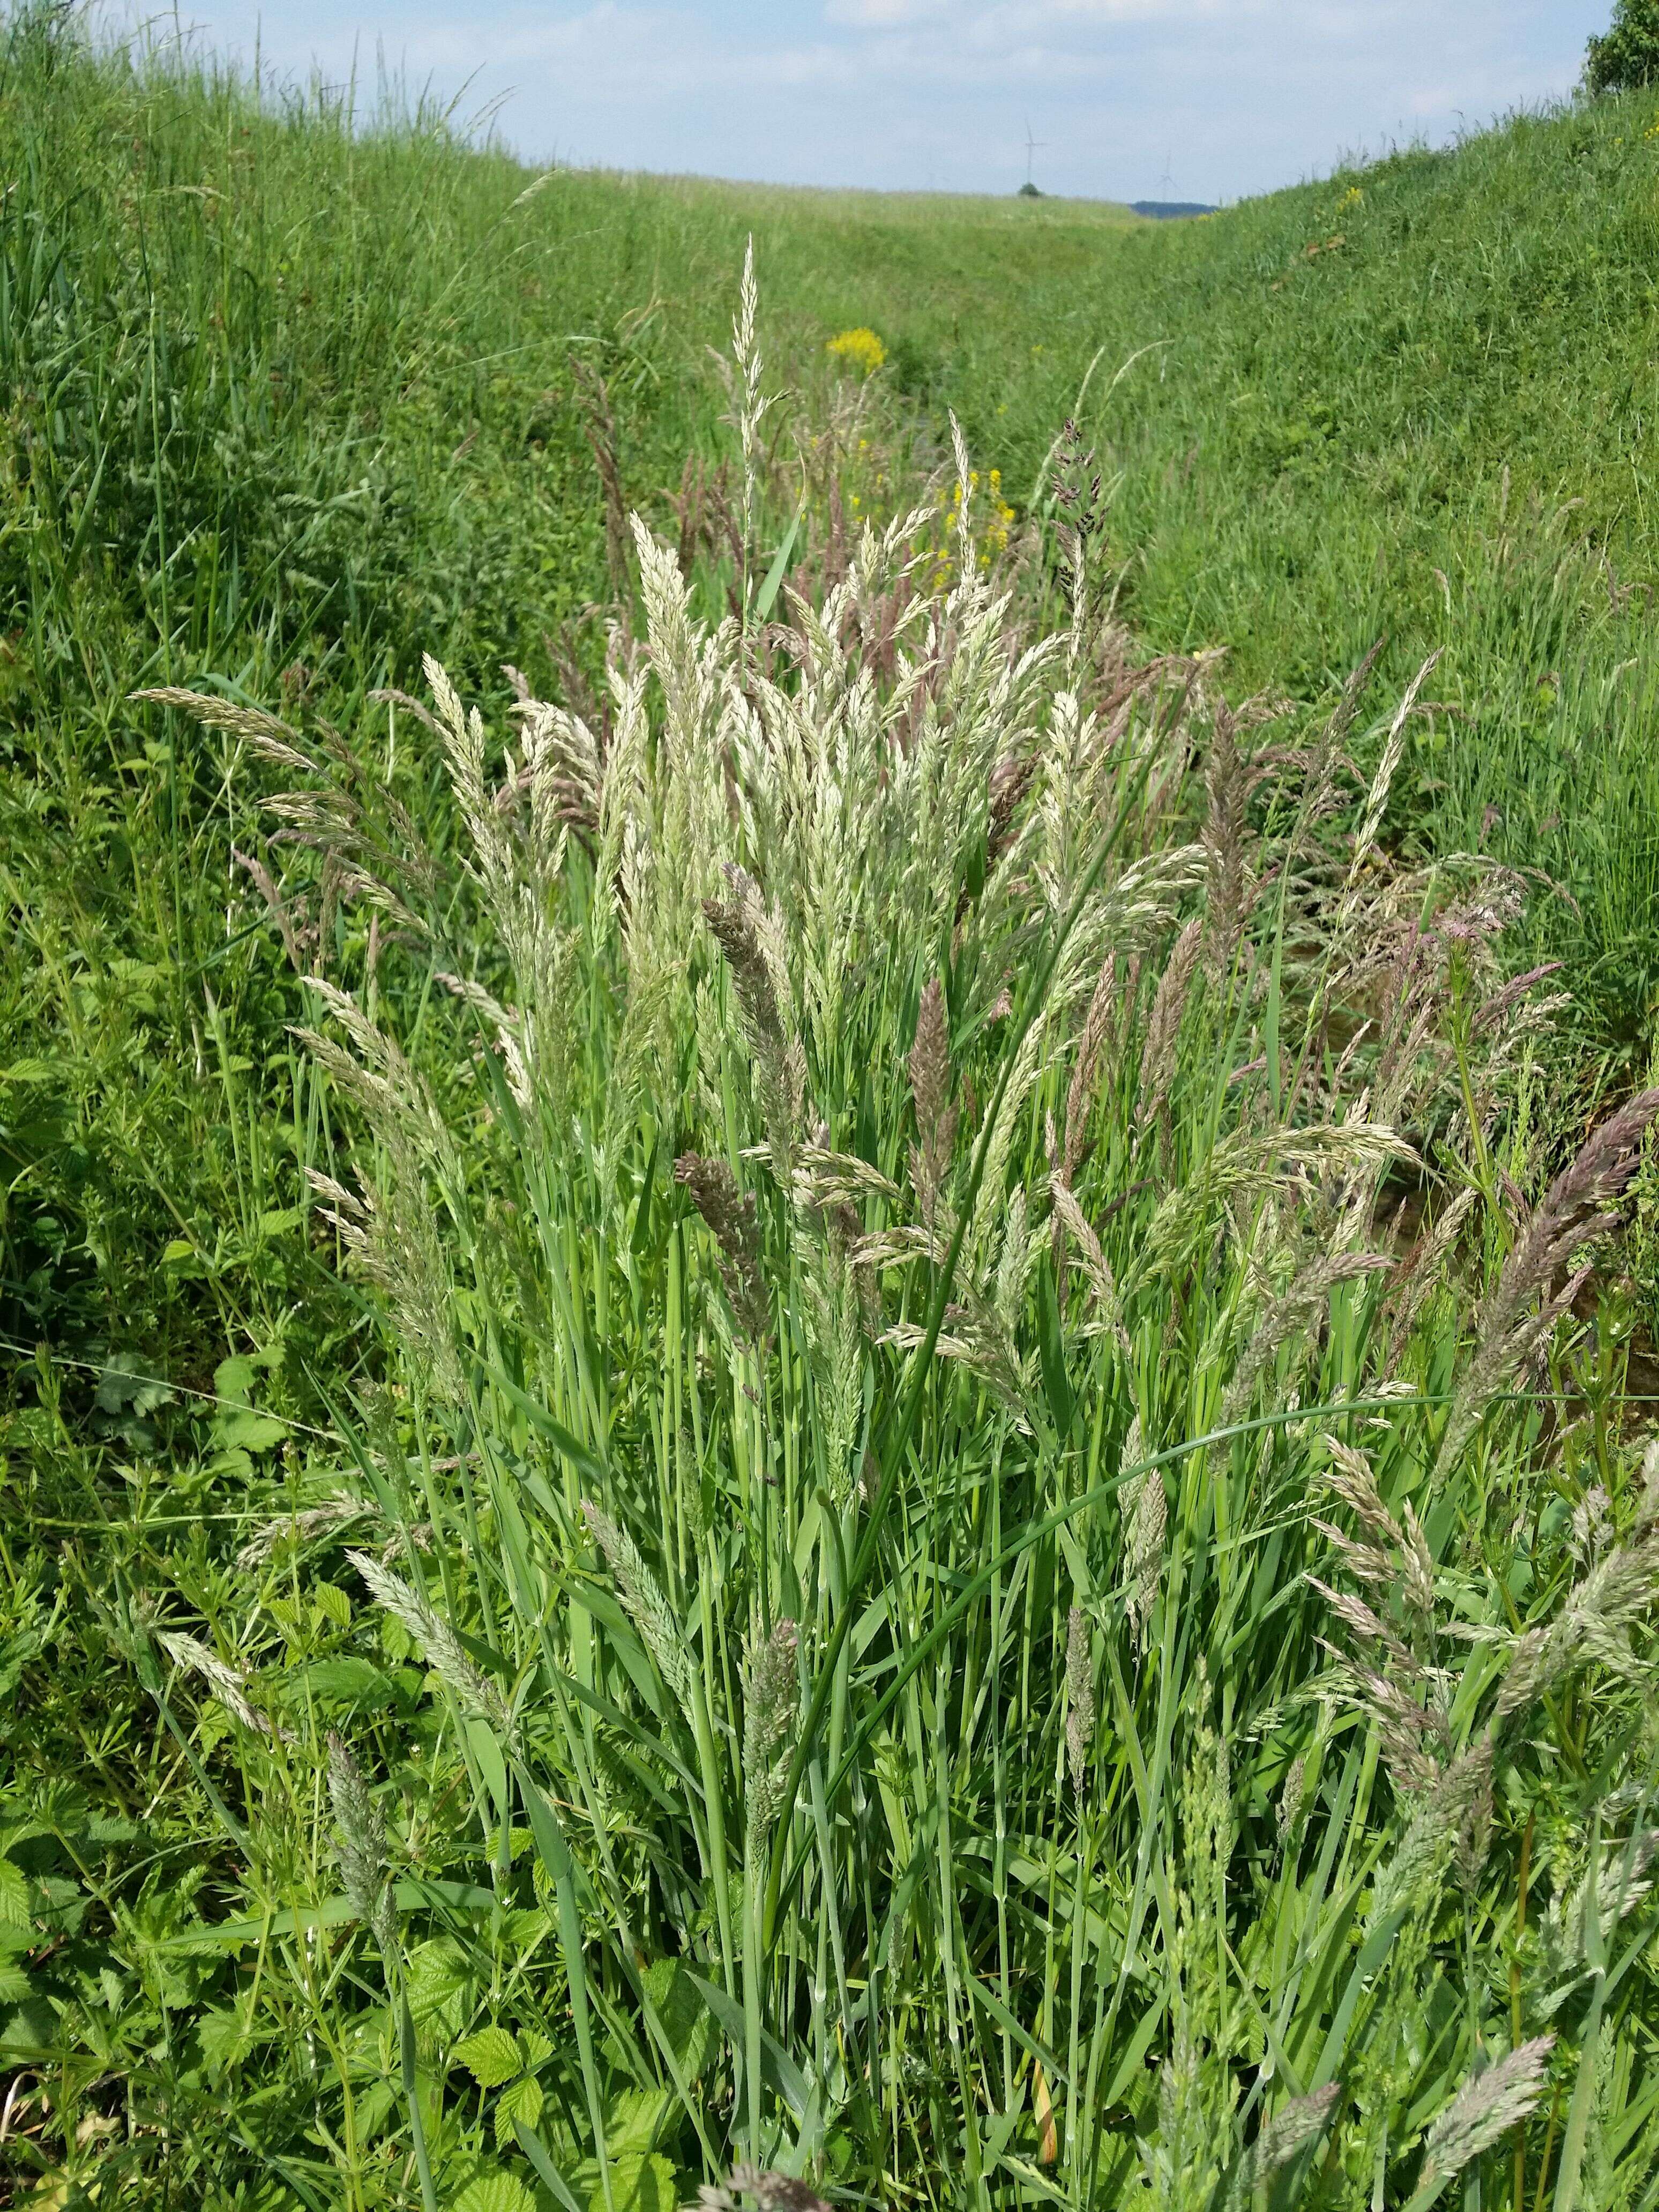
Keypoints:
pixel 290 405
pixel 734 1583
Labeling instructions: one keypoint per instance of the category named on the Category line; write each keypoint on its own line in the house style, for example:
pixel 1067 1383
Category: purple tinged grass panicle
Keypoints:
pixel 732 923
pixel 1575 1210
pixel 930 1089
pixel 1298 1309
pixel 1421 1273
pixel 1227 788
pixel 751 941
pixel 1099 1031
pixel 731 1216
pixel 302 945
pixel 1158 1057
pixel 1010 780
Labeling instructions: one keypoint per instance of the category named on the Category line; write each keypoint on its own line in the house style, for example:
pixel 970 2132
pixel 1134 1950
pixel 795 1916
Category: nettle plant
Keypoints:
pixel 979 1443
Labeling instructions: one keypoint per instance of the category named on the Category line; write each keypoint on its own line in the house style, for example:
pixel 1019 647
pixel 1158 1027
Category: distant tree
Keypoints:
pixel 1028 190
pixel 1629 55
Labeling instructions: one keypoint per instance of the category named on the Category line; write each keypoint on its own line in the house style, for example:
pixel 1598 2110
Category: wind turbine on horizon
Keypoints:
pixel 1032 146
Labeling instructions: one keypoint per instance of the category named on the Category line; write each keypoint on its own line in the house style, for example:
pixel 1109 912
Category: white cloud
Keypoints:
pixel 883 14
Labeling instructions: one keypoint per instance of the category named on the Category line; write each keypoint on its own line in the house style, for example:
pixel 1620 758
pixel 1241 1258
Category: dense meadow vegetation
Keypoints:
pixel 828 1246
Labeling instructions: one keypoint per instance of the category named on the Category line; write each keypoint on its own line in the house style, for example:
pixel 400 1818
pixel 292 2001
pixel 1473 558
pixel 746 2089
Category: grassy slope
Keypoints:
pixel 1438 428
pixel 288 406
pixel 280 399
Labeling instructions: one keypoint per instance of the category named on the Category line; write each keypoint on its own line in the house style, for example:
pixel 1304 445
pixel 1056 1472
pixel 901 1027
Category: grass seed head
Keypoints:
pixel 642 1600
pixel 227 1686
pixel 1080 1697
pixel 1484 2111
pixel 443 1649
pixel 930 1089
pixel 731 1216
pixel 360 1842
pixel 771 1697
pixel 1146 1513
pixel 1576 1209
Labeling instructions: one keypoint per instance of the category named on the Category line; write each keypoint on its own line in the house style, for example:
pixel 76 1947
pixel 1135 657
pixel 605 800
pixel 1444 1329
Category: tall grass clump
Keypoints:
pixel 996 1553
pixel 296 390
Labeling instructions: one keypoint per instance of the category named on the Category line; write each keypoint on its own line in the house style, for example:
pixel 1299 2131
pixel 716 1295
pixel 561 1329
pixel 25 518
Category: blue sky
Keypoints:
pixel 1205 99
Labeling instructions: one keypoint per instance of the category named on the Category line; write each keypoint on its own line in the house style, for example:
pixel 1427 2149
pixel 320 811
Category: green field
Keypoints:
pixel 869 1394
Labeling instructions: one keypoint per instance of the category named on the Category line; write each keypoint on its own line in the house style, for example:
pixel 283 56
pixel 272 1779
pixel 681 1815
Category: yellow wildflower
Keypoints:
pixel 989 534
pixel 1353 197
pixel 861 349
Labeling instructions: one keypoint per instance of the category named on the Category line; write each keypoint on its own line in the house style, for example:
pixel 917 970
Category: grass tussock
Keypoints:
pixel 839 1393
pixel 933 1596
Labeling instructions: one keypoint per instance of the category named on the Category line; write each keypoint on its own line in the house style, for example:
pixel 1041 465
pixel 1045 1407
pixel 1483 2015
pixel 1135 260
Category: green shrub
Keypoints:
pixel 1627 56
